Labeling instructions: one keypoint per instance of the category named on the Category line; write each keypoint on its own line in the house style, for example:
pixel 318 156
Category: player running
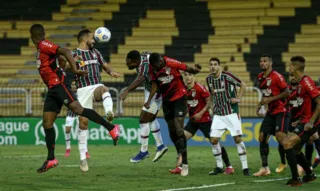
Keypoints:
pixel 276 121
pixel 90 87
pixel 58 94
pixel 223 88
pixel 168 80
pixel 198 100
pixel 306 93
pixel 147 120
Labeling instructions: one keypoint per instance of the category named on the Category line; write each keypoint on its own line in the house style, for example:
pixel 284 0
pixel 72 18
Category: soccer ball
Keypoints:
pixel 102 35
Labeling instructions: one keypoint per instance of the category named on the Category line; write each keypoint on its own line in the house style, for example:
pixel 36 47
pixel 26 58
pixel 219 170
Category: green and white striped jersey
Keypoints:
pixel 92 61
pixel 222 90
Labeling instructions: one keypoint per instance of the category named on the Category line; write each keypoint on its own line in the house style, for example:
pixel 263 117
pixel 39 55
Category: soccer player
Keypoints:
pixel 198 100
pixel 90 87
pixel 306 93
pixel 276 121
pixel 223 91
pixel 71 116
pixel 147 120
pixel 167 78
pixel 58 94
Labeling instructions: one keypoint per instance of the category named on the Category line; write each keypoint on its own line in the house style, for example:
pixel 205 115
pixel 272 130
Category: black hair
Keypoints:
pixel 298 62
pixel 215 59
pixel 134 55
pixel 82 33
pixel 37 29
pixel 154 58
pixel 268 56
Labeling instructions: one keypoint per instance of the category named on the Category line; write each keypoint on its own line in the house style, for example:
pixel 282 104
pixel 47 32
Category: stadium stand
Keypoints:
pixel 236 31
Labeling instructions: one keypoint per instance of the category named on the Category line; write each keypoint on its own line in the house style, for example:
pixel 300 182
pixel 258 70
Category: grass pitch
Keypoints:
pixel 110 169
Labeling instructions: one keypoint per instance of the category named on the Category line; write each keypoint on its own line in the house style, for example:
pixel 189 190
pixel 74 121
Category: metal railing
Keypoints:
pixel 29 102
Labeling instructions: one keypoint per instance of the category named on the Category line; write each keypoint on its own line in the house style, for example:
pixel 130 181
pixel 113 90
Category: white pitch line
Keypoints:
pixel 70 165
pixel 275 179
pixel 199 187
pixel 270 180
pixel 26 156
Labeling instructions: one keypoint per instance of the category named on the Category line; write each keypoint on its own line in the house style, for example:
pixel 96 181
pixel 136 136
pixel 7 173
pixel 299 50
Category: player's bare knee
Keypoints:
pixel 47 124
pixel 214 140
pixel 104 89
pixel 287 144
pixel 68 129
pixel 237 139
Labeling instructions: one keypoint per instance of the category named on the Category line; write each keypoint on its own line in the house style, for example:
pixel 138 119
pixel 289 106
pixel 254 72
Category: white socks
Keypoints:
pixel 155 129
pixel 216 150
pixel 107 102
pixel 82 143
pixel 317 156
pixel 144 133
pixel 68 141
pixel 242 154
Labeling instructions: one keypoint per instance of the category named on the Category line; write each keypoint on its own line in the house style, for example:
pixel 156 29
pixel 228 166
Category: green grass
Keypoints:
pixel 110 169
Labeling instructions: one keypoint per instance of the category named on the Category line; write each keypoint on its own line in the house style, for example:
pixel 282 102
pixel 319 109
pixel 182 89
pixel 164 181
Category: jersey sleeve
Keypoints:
pixel 100 57
pixel 233 79
pixel 172 63
pixel 203 91
pixel 282 84
pixel 144 70
pixel 48 47
pixel 311 89
pixel 209 84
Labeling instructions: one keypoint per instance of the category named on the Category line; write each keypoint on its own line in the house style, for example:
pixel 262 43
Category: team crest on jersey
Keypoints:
pixel 269 80
pixel 222 84
pixel 168 70
pixel 193 93
pixel 299 89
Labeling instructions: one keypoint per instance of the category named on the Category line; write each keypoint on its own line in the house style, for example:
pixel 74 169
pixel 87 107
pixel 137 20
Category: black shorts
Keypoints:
pixel 192 127
pixel 56 97
pixel 274 123
pixel 304 135
pixel 176 108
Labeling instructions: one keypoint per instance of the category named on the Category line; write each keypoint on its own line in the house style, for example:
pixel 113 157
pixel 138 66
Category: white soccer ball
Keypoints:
pixel 102 35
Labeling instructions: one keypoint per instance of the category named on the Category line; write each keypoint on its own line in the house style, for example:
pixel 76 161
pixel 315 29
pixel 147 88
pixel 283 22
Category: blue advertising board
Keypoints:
pixel 250 130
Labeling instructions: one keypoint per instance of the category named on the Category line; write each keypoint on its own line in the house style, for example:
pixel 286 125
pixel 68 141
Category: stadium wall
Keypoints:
pixel 29 131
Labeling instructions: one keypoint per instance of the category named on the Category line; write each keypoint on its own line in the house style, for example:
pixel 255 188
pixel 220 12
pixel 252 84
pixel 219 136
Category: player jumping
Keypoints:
pixel 222 86
pixel 168 79
pixel 276 121
pixel 90 87
pixel 147 120
pixel 58 94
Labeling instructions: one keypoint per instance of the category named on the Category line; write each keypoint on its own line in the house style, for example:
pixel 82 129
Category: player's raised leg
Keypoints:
pixel 102 94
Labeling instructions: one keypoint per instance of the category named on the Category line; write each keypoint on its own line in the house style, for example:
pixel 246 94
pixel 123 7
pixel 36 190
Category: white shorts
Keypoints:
pixel 155 103
pixel 85 95
pixel 220 124
pixel 70 121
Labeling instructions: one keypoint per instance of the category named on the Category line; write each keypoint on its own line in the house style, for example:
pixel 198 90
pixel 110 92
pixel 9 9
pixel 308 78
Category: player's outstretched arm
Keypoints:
pixel 109 71
pixel 66 53
pixel 136 83
pixel 154 90
pixel 194 70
